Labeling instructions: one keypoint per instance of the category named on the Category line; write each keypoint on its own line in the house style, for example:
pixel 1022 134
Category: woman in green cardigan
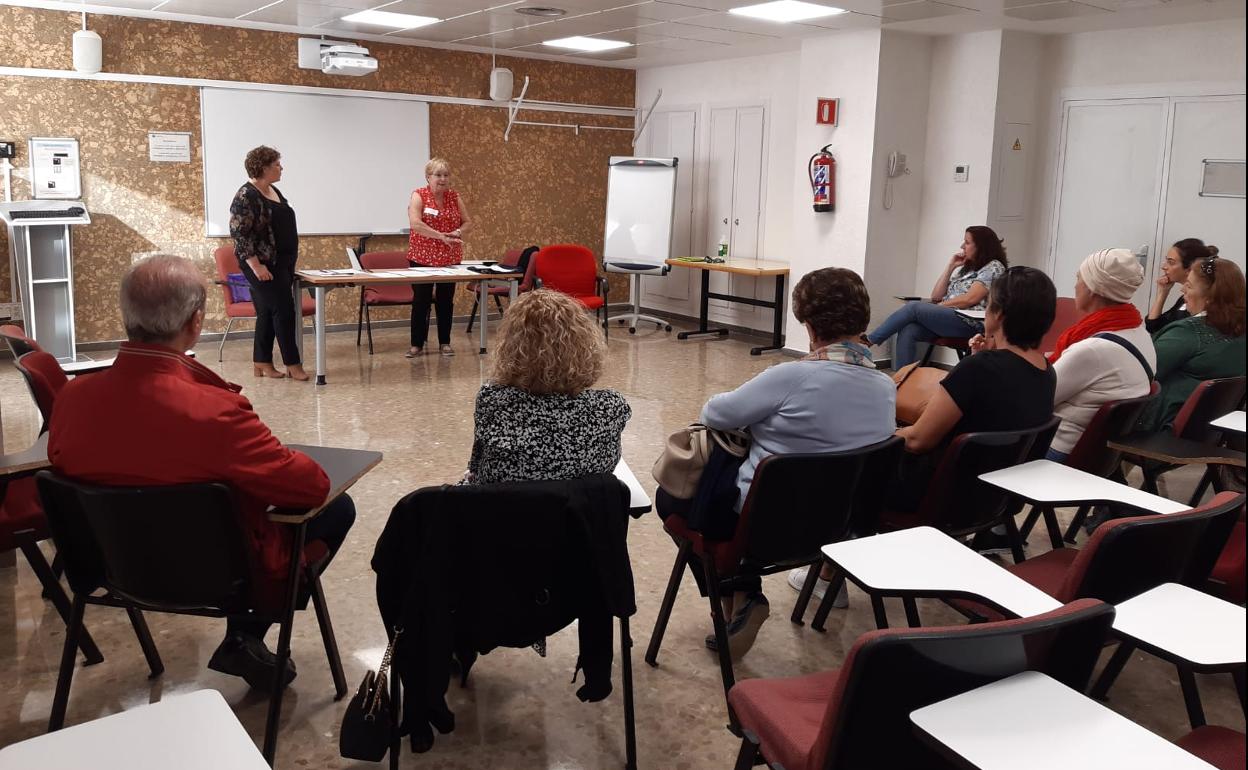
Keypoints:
pixel 1207 346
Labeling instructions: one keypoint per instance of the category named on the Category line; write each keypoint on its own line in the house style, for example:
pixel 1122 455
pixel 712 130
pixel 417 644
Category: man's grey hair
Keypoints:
pixel 159 295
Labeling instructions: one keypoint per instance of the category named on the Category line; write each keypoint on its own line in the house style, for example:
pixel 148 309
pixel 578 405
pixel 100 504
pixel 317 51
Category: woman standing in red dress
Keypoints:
pixel 438 220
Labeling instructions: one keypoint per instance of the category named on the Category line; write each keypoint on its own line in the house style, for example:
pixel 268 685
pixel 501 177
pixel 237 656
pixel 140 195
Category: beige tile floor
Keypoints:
pixel 519 710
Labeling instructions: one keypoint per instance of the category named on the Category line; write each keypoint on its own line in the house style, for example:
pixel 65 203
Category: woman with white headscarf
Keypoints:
pixel 1108 355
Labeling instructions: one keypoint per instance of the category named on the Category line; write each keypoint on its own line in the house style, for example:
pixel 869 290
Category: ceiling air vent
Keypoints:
pixel 541 10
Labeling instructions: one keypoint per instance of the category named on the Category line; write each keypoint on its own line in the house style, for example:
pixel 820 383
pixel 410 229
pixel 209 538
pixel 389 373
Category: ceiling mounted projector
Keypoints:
pixel 347 60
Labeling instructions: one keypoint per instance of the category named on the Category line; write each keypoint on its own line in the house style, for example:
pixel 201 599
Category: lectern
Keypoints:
pixel 40 246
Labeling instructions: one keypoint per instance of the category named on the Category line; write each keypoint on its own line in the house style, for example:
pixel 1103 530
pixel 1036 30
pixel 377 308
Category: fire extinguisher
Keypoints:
pixel 822 172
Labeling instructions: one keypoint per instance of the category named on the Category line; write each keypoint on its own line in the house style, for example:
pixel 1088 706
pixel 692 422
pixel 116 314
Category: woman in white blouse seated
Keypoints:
pixel 538 418
pixel 963 285
pixel 1108 355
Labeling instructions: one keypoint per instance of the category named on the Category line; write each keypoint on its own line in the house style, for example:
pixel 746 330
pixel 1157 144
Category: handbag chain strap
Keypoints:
pixel 382 672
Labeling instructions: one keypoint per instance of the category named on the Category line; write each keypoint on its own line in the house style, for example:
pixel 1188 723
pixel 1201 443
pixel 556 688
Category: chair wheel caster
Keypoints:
pixel 620 322
pixel 632 330
pixel 667 328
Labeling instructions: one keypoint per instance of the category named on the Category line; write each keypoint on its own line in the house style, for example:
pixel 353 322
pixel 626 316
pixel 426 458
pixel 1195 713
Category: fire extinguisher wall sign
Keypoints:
pixel 822 173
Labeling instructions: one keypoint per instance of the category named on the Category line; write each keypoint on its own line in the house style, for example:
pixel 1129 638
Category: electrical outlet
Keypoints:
pixel 961 172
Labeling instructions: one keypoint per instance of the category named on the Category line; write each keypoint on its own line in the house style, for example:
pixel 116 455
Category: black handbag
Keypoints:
pixel 366 724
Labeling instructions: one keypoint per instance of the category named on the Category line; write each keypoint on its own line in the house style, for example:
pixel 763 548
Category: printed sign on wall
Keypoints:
pixel 54 173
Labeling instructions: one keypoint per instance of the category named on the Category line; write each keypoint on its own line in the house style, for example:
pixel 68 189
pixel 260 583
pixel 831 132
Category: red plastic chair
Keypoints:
pixel 858 715
pixel 381 294
pixel 573 270
pixel 510 259
pixel 227 263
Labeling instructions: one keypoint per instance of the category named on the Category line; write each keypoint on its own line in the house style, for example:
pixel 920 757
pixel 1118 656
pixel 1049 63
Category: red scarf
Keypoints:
pixel 1114 318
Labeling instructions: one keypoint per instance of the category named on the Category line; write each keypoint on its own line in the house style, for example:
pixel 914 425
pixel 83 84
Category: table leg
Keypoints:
pixel 273 722
pixel 484 296
pixel 704 310
pixel 777 324
pixel 298 288
pixel 1191 697
pixel 320 335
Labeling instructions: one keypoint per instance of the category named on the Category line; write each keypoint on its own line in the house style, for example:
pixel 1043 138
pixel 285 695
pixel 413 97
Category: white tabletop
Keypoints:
pixel 86 365
pixel 1185 623
pixel 1033 722
pixel 1044 481
pixel 196 731
pixel 925 560
pixel 1233 421
pixel 638 499
pixel 974 315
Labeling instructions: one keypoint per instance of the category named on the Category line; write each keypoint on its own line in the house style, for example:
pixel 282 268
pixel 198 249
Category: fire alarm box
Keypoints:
pixel 828 112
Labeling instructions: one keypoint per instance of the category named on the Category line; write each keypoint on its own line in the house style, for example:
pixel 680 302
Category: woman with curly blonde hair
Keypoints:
pixel 539 418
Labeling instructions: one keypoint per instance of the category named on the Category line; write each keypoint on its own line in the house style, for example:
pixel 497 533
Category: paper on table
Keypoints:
pixel 344 271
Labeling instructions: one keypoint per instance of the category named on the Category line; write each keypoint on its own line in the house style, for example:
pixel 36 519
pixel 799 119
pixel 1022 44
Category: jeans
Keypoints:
pixel 917 322
pixel 275 315
pixel 1056 456
pixel 422 297
pixel 330 527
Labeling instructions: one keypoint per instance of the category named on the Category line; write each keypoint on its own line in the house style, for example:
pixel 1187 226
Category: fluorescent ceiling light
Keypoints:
pixel 592 44
pixel 786 11
pixel 388 19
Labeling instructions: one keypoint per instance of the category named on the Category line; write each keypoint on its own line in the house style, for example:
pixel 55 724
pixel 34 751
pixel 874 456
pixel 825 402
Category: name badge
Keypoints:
pixel 431 212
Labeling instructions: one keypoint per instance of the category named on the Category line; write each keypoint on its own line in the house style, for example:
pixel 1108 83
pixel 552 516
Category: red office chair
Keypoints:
pixel 858 715
pixel 512 258
pixel 44 378
pixel 19 344
pixel 227 263
pixel 381 294
pixel 573 270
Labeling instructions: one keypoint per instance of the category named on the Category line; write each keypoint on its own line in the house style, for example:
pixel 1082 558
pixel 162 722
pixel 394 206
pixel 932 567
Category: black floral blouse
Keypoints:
pixel 520 436
pixel 251 226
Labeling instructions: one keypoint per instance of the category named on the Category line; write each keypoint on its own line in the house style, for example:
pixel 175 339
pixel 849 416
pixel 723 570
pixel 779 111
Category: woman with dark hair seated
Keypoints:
pixel 1179 260
pixel 832 400
pixel 1209 345
pixel 963 285
pixel 1006 385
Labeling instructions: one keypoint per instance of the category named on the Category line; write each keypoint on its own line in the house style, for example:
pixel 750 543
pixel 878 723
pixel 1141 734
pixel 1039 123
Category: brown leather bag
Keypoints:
pixel 915 387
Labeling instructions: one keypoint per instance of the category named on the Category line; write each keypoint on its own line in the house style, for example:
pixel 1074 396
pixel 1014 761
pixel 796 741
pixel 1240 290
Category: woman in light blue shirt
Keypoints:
pixel 829 401
pixel 962 286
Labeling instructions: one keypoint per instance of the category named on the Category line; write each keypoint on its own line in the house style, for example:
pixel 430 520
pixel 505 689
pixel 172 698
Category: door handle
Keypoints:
pixel 725 220
pixel 736 221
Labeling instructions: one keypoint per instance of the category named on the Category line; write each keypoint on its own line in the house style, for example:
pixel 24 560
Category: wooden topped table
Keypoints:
pixel 1232 421
pixel 323 281
pixel 196 731
pixel 1033 722
pixel 26 462
pixel 753 268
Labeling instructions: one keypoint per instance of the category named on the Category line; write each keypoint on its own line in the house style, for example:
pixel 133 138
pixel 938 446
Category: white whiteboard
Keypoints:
pixel 641 196
pixel 350 163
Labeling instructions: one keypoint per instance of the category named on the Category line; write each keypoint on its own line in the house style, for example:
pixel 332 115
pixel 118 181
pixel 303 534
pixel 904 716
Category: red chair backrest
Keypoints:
pixel 227 262
pixel 45 378
pixel 1210 400
pixel 1126 557
pixel 1065 317
pixel 569 268
pixel 890 673
pixel 19 344
pixel 1114 420
pixel 386 293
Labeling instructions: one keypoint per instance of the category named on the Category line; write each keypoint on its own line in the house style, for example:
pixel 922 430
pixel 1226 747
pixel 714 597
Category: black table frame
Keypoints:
pixel 776 305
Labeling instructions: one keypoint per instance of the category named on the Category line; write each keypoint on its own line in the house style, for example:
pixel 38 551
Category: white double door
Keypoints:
pixel 1130 176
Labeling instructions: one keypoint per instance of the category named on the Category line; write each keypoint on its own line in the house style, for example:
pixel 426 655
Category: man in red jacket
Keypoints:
pixel 158 417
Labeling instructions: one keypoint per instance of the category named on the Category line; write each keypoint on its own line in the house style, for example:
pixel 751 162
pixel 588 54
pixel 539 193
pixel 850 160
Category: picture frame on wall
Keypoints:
pixel 55 173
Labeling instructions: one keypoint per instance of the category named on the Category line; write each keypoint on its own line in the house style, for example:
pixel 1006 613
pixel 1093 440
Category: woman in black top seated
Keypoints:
pixel 266 242
pixel 1179 259
pixel 1006 385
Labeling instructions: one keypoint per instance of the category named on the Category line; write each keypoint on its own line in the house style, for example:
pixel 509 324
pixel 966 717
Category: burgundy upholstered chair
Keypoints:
pixel 227 263
pixel 381 294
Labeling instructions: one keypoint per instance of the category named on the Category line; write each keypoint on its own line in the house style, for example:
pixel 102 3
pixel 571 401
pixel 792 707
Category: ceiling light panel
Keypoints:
pixel 389 19
pixel 586 44
pixel 786 11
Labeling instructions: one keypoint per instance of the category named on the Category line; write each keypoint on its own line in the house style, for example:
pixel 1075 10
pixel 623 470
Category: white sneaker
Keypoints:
pixel 797 578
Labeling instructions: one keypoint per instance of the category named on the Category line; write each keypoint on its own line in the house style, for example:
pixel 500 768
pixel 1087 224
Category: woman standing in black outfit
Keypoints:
pixel 266 242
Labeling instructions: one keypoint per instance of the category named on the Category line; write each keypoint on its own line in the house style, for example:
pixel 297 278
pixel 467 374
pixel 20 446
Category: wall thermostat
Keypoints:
pixel 7 149
pixel 961 172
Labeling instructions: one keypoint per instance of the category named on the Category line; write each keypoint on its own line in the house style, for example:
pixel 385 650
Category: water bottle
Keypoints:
pixel 723 247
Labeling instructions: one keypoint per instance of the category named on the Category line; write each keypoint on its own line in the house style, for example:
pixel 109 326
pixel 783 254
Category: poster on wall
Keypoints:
pixel 54 172
pixel 169 146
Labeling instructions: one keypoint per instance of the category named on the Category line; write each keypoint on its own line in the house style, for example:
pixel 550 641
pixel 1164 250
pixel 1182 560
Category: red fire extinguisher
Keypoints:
pixel 822 172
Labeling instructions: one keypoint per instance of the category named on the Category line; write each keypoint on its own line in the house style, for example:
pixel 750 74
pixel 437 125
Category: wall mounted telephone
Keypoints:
pixel 896 167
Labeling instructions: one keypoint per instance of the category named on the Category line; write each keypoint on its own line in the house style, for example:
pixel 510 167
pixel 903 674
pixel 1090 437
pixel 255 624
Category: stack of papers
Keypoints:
pixel 345 271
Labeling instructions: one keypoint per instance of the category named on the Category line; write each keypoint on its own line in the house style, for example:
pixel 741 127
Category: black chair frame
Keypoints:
pixel 213 579
pixel 782 525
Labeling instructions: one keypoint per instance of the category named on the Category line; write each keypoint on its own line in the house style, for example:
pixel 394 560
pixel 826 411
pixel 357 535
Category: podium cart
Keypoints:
pixel 40 247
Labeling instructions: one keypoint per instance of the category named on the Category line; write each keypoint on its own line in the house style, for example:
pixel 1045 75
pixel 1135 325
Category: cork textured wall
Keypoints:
pixel 547 185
